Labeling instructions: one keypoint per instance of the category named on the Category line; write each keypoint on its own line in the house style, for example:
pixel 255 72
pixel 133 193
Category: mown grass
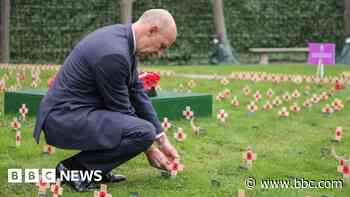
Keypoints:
pixel 272 68
pixel 286 147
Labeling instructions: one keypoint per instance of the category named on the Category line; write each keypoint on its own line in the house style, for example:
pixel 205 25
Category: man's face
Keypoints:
pixel 154 44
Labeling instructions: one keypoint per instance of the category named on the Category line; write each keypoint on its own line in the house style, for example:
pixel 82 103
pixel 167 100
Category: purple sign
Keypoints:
pixel 324 52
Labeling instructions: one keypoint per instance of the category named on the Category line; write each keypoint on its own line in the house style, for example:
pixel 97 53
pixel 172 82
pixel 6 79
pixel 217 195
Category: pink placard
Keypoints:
pixel 321 51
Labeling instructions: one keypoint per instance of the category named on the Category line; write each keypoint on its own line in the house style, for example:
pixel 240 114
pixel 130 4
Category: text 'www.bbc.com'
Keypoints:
pixel 295 183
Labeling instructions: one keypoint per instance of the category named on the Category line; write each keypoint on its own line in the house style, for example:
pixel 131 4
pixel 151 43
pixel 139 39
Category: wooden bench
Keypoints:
pixel 264 57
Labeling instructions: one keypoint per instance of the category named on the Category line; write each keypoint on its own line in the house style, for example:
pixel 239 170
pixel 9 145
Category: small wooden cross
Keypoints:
pixel 176 167
pixel 338 133
pixel 269 92
pixel 56 189
pixel 187 113
pixel 48 149
pixel 23 111
pixel 102 192
pixel 15 124
pixel 180 135
pixel 344 168
pixel 248 157
pixel 222 115
pixel 166 124
pixel 195 129
pixel 18 138
pixel 42 185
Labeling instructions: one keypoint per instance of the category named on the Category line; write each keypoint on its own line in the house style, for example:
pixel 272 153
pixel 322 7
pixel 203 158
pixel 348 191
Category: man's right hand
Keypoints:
pixel 157 159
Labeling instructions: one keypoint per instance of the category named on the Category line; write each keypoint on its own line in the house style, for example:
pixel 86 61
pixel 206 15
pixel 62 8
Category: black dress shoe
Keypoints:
pixel 79 185
pixel 111 178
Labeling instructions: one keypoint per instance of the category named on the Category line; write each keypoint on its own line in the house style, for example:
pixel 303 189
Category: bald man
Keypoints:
pixel 98 105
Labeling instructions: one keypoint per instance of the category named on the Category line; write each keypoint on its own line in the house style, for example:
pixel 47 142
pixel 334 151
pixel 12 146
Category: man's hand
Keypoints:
pixel 157 159
pixel 168 149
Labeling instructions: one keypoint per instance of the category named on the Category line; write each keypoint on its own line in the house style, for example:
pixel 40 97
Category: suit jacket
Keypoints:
pixel 99 73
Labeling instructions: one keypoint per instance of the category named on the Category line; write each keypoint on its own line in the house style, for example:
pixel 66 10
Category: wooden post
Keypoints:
pixel 224 52
pixel 219 19
pixel 126 11
pixel 344 57
pixel 5 31
pixel 347 18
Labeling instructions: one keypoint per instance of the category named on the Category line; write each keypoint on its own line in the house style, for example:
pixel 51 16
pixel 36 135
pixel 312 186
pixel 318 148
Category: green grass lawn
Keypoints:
pixel 290 147
pixel 273 68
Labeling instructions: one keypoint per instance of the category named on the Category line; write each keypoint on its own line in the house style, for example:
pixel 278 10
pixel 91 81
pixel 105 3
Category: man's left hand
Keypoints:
pixel 168 149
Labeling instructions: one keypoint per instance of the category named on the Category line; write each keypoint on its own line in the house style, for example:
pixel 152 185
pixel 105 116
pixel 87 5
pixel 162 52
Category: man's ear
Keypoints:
pixel 154 29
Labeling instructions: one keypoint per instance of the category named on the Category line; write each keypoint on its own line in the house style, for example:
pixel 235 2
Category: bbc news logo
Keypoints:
pixel 48 175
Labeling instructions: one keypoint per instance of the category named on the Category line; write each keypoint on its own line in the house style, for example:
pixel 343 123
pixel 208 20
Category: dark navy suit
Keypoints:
pixel 97 104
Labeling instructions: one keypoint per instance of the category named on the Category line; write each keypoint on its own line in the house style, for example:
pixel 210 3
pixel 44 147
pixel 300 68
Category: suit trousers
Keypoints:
pixel 136 136
pixel 133 143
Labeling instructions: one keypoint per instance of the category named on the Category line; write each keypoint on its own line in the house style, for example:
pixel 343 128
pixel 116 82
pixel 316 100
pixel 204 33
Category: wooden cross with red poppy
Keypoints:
pixel 248 157
pixel 338 85
pixel 15 124
pixel 102 192
pixel 48 149
pixel 345 170
pixel 166 124
pixel 338 133
pixel 187 113
pixel 42 185
pixel 23 111
pixel 56 189
pixel 180 135
pixel 18 138
pixel 343 166
pixel 222 115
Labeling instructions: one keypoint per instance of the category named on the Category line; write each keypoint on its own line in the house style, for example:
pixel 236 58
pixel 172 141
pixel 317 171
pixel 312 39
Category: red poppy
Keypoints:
pixel 149 79
pixel 346 170
pixel 51 80
pixel 338 85
pixel 249 155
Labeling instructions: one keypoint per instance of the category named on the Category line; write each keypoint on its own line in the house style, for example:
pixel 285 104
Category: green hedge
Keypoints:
pixel 45 31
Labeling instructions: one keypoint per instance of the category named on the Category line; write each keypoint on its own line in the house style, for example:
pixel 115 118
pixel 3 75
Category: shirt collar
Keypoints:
pixel 134 39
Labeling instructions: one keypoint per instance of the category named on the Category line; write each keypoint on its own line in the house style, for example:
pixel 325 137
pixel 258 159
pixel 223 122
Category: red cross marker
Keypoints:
pixel 295 108
pixel 235 102
pixel 269 93
pixel 338 133
pixel 283 112
pixel 42 185
pixel 15 124
pixel 345 170
pixel 257 95
pixel 252 107
pixel 18 138
pixel 103 192
pixel 187 113
pixel 48 149
pixel 166 124
pixel 180 135
pixel 23 111
pixel 248 157
pixel 222 115
pixel 175 168
pixel 56 189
